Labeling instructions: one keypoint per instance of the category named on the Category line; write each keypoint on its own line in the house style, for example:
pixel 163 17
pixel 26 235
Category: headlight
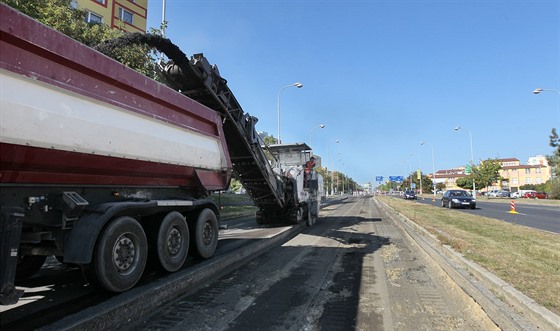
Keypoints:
pixel 473 200
pixel 455 200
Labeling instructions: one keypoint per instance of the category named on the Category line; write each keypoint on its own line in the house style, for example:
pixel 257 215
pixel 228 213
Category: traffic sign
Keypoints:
pixel 397 179
pixel 378 178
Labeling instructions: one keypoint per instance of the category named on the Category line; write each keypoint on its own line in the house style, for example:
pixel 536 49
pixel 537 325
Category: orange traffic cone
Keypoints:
pixel 512 208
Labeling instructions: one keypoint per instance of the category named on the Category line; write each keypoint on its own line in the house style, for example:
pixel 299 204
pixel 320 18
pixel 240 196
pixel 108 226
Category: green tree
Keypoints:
pixel 554 159
pixel 235 185
pixel 388 185
pixel 464 182
pixel 553 184
pixel 61 16
pixel 440 186
pixel 484 175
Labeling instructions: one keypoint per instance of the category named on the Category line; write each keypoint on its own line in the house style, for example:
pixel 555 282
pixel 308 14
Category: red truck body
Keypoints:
pixel 100 165
pixel 88 153
pixel 98 162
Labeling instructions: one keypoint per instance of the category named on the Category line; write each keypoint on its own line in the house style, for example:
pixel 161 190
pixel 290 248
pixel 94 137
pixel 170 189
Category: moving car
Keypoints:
pixel 458 199
pixel 408 194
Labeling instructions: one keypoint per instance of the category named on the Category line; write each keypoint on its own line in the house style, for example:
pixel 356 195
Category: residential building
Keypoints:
pixel 449 177
pixel 515 175
pixel 126 15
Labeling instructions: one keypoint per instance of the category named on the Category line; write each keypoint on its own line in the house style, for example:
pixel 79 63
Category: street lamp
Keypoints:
pixel 332 187
pixel 321 126
pixel 539 90
pixel 420 180
pixel 337 169
pixel 298 85
pixel 433 170
pixel 472 158
pixel 405 168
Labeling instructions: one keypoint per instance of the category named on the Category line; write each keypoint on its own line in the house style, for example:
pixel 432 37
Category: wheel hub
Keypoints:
pixel 124 253
pixel 174 241
pixel 207 233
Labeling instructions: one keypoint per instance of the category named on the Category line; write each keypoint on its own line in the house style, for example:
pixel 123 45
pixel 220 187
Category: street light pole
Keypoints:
pixel 327 161
pixel 420 180
pixel 539 90
pixel 298 85
pixel 472 158
pixel 163 19
pixel 410 174
pixel 321 126
pixel 405 168
pixel 433 170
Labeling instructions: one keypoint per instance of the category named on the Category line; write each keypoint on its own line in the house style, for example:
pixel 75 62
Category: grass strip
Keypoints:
pixel 526 258
pixel 234 205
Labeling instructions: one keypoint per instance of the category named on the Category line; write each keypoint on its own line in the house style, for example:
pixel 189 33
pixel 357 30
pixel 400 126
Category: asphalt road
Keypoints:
pixel 357 268
pixel 59 290
pixel 540 217
pixel 354 270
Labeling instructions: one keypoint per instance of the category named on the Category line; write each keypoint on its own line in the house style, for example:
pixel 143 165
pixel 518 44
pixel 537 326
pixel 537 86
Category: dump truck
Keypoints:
pixel 107 169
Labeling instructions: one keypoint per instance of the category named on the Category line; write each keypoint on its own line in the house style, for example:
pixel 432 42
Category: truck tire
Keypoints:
pixel 205 234
pixel 120 255
pixel 29 265
pixel 172 242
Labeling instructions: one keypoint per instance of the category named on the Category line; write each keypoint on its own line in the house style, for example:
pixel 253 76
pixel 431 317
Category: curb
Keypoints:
pixel 506 306
pixel 141 301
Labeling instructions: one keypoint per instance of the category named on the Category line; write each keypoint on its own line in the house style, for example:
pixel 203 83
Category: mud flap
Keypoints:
pixel 10 232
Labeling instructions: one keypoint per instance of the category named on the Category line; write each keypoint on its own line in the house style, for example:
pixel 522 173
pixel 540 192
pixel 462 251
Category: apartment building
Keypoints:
pixel 126 15
pixel 515 174
pixel 449 177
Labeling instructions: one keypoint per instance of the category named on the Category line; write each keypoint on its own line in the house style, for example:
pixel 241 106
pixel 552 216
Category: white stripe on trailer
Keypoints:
pixel 167 203
pixel 33 113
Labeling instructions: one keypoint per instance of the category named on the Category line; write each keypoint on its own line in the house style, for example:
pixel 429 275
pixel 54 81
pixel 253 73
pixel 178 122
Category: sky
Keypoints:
pixel 384 76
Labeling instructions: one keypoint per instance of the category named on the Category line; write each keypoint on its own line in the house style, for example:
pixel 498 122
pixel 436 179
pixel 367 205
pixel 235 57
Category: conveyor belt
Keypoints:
pixel 200 81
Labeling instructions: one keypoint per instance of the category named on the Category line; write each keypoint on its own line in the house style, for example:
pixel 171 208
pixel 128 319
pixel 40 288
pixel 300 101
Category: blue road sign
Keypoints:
pixel 397 179
pixel 378 178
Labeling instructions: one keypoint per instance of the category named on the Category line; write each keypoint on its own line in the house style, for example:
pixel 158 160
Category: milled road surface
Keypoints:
pixel 353 270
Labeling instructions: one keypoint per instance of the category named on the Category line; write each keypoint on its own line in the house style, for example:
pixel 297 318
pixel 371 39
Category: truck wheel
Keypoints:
pixel 205 234
pixel 120 255
pixel 29 265
pixel 173 242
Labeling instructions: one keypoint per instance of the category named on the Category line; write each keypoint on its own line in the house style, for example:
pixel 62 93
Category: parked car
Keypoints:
pixel 458 198
pixel 541 195
pixel 515 195
pixel 536 195
pixel 503 194
pixel 493 193
pixel 523 193
pixel 409 195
